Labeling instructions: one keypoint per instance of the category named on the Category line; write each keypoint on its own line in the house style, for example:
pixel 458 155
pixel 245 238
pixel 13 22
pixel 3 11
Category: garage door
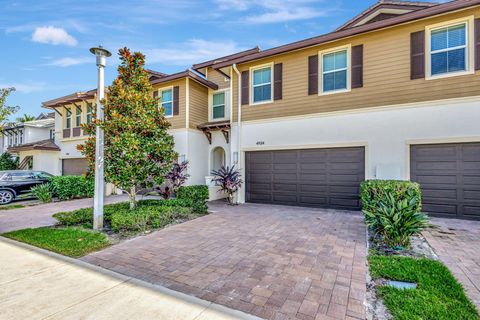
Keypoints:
pixel 312 177
pixel 74 167
pixel 449 175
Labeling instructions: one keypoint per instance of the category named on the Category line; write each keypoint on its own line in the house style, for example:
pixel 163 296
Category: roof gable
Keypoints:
pixel 385 9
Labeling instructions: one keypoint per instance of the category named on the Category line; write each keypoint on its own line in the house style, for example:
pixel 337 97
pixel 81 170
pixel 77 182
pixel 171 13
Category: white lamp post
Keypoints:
pixel 101 55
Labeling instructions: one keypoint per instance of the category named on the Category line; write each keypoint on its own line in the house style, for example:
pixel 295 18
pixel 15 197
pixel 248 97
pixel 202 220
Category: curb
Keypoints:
pixel 157 288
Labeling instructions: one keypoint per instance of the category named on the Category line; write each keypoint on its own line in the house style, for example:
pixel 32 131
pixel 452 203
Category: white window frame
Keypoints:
pixel 21 137
pixel 89 113
pixel 321 54
pixel 161 102
pixel 469 52
pixel 68 117
pixel 77 116
pixel 251 70
pixel 225 103
pixel 15 139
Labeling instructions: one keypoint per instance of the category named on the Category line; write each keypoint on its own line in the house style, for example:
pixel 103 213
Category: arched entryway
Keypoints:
pixel 217 158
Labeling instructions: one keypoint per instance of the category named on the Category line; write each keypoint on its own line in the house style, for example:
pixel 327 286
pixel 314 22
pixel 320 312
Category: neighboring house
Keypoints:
pixel 392 94
pixel 32 142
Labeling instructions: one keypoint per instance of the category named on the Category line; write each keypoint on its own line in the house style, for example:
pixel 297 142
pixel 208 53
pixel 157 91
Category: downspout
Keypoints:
pixel 239 110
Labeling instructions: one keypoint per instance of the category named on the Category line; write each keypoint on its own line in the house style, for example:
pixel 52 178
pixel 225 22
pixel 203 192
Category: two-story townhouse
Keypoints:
pixel 392 94
pixel 32 142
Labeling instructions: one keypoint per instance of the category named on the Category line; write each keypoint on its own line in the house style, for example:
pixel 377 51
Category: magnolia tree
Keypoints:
pixel 138 149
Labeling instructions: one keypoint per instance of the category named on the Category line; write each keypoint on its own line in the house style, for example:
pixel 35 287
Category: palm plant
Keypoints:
pixel 229 180
pixel 25 118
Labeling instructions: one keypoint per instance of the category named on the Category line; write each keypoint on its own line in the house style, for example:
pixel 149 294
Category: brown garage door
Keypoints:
pixel 74 167
pixel 449 175
pixel 312 177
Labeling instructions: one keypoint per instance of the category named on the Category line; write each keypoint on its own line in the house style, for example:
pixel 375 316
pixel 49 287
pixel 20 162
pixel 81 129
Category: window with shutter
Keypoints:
pixel 450 48
pixel 262 86
pixel 166 98
pixel 335 70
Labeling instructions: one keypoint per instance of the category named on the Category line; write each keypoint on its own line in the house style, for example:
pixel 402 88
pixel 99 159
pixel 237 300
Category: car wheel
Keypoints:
pixel 6 196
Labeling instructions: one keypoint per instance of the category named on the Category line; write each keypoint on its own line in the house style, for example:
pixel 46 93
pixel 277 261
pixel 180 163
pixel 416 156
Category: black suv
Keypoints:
pixel 15 183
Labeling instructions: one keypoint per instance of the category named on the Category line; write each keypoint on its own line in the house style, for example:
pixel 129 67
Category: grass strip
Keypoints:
pixel 438 296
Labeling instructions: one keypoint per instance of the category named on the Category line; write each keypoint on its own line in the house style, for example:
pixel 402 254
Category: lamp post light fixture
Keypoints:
pixel 101 55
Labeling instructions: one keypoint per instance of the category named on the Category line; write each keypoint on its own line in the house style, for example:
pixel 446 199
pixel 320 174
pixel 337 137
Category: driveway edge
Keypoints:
pixel 179 295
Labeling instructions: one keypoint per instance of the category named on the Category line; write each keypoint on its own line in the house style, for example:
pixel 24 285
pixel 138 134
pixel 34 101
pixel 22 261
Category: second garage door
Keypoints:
pixel 327 178
pixel 449 175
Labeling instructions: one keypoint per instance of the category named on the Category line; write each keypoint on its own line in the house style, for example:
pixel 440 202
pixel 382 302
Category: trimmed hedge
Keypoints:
pixel 149 214
pixel 393 210
pixel 195 197
pixel 374 192
pixel 71 187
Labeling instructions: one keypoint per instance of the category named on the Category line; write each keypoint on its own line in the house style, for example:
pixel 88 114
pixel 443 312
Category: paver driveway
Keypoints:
pixel 457 244
pixel 275 262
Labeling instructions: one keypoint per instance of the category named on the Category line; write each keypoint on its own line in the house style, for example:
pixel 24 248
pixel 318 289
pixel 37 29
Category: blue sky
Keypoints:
pixel 44 44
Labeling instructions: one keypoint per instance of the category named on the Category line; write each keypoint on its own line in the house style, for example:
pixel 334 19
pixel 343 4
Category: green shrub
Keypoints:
pixel 8 162
pixel 71 187
pixel 195 197
pixel 71 218
pixel 150 214
pixel 392 209
pixel 43 192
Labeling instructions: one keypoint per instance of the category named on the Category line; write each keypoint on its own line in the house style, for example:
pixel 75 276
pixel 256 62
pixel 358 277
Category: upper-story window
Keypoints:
pixel 89 112
pixel 15 142
pixel 262 85
pixel 52 134
pixel 335 71
pixel 218 106
pixel 78 116
pixel 167 102
pixel 10 140
pixel 21 137
pixel 68 119
pixel 449 49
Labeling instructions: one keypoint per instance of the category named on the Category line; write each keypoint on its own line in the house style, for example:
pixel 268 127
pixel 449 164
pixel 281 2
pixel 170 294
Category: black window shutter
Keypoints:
pixel 245 88
pixel 155 94
pixel 176 95
pixel 278 77
pixel 477 44
pixel 313 74
pixel 357 66
pixel 417 55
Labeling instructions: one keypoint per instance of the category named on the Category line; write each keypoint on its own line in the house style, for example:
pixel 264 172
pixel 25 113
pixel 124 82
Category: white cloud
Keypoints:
pixel 53 35
pixel 191 52
pixel 25 87
pixel 273 11
pixel 69 61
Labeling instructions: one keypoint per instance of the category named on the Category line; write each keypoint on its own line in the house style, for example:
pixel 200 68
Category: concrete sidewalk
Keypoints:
pixel 35 284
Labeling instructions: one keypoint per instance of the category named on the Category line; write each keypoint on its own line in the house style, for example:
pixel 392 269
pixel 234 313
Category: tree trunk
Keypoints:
pixel 132 198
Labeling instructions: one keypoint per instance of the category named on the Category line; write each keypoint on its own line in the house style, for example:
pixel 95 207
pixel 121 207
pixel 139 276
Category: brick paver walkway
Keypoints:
pixel 41 215
pixel 457 243
pixel 275 262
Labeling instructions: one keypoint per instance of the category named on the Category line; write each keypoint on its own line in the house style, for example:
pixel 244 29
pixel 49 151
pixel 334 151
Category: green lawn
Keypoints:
pixel 73 242
pixel 438 296
pixel 11 206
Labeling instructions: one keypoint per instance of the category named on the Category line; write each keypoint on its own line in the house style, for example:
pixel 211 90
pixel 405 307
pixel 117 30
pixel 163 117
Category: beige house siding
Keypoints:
pixel 72 107
pixel 198 104
pixel 218 78
pixel 386 77
pixel 178 121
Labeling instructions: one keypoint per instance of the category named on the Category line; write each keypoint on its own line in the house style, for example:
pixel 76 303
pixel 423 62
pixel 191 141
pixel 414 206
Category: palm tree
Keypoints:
pixel 26 118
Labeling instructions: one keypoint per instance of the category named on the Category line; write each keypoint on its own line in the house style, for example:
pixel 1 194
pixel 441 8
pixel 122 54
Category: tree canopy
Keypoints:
pixel 138 149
